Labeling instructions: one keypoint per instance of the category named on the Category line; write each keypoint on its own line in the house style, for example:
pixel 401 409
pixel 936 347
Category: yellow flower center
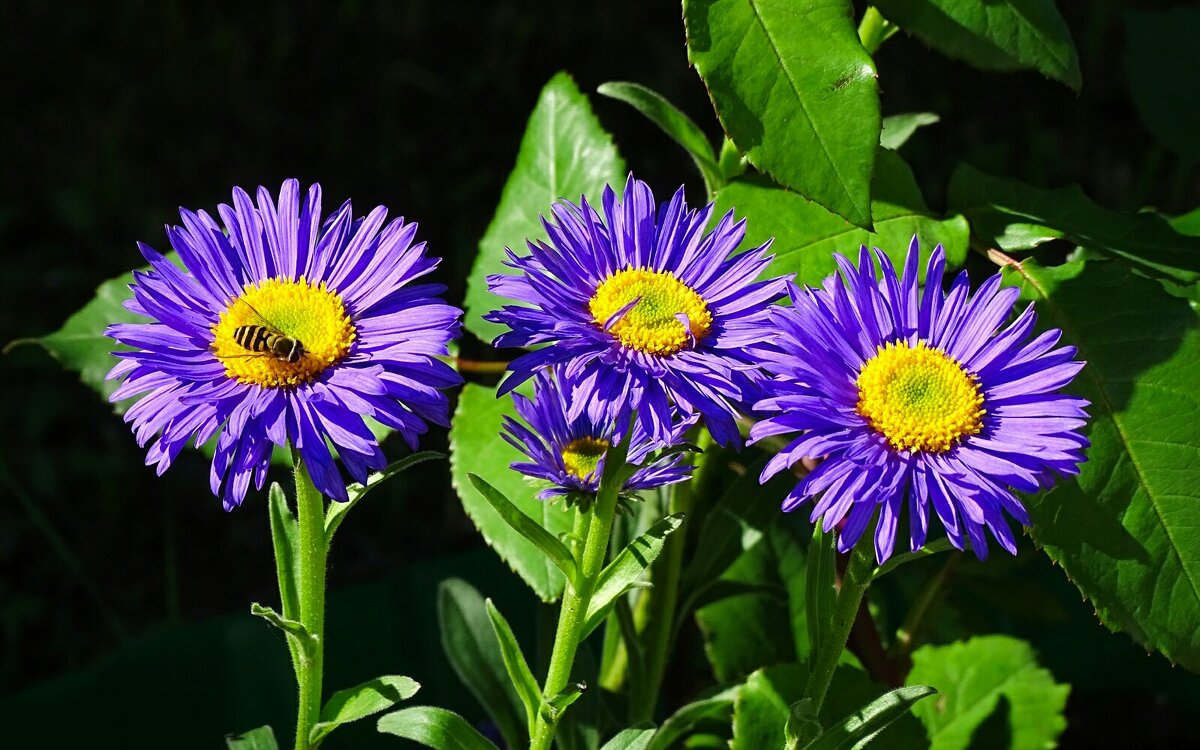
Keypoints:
pixel 581 456
pixel 651 325
pixel 919 398
pixel 257 333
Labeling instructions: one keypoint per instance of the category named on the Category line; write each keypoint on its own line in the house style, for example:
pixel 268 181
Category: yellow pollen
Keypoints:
pixel 651 326
pixel 581 456
pixel 309 313
pixel 919 398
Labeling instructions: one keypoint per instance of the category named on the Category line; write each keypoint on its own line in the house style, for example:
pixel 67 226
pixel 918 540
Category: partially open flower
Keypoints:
pixel 568 451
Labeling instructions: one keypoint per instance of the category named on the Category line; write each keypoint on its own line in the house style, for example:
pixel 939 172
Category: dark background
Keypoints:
pixel 116 113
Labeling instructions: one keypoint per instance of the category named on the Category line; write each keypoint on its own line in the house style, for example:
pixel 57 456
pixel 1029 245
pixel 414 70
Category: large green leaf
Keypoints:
pixel 473 650
pixel 1127 529
pixel 1161 53
pixel 81 346
pixel 477 448
pixel 993 35
pixel 991 691
pixel 796 92
pixel 434 727
pixel 565 153
pixel 807 236
pixel 361 701
pixel 763 707
pixel 1014 216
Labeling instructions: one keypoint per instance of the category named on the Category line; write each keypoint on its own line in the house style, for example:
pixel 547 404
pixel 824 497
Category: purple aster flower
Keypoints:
pixel 282 329
pixel 918 398
pixel 568 451
pixel 644 307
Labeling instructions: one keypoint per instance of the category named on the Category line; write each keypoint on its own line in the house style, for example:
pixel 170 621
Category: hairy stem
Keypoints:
pixel 310 513
pixel 854 587
pixel 578 594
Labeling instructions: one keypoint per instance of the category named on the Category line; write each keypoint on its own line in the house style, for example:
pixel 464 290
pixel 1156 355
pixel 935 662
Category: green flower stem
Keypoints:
pixel 310 513
pixel 874 29
pixel 578 594
pixel 854 587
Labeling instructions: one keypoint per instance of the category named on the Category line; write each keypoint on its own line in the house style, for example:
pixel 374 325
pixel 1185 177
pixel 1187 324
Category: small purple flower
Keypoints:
pixel 643 306
pixel 918 398
pixel 568 451
pixel 280 329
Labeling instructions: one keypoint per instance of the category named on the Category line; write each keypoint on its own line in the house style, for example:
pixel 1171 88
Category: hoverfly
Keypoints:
pixel 267 339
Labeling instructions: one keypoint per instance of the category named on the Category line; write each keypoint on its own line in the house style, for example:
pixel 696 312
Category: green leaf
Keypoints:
pixel 80 344
pixel 734 524
pixel 291 628
pixel 1160 54
pixel 556 705
pixel 820 590
pixel 361 701
pixel 285 536
pixel 476 447
pixel 434 727
pixel 764 706
pixel 807 236
pixel 1014 216
pixel 990 687
pixel 897 129
pixel 630 739
pixel 741 633
pixel 565 153
pixel 864 725
pixel 471 646
pixel 626 568
pixel 795 90
pixel 1000 35
pixel 937 546
pixel 256 739
pixel 681 723
pixel 519 674
pixel 336 512
pixel 1188 223
pixel 555 550
pixel 671 121
pixel 1127 529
